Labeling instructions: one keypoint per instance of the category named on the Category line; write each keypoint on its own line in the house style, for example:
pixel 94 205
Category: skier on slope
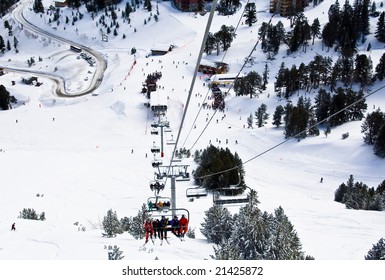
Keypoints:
pixel 148 229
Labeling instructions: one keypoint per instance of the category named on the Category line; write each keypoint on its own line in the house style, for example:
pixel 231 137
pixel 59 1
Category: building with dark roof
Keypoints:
pixel 287 7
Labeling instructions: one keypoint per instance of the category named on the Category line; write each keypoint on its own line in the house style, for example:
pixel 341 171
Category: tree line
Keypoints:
pixel 252 234
pixel 357 195
pixel 346 27
pixel 320 72
pixel 5 5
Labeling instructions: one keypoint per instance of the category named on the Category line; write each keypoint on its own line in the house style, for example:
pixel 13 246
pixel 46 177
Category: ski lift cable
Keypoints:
pixel 208 91
pixel 239 72
pixel 210 19
pixel 294 136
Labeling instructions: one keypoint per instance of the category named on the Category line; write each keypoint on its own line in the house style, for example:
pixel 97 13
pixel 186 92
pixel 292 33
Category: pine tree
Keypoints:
pixel 365 23
pixel 359 106
pixel 250 13
pixel 345 67
pixel 346 41
pixel 15 42
pixel 377 252
pixel 362 73
pixel 2 44
pixel 250 121
pixel 226 250
pixel 114 253
pixel 217 225
pixel 371 126
pixel 4 98
pixel 213 160
pixel 328 35
pixel 380 68
pixel 111 224
pixel 380 31
pixel 277 117
pixel 250 85
pixel 379 144
pixel 296 120
pixel 315 29
pixel 225 36
pixel 136 224
pixel 38 6
pixel 373 8
pixel 147 5
pixel 340 193
pixel 271 38
pixel 261 115
pixel 323 105
pixel 211 42
pixel 248 233
pixel 265 77
pixel 299 35
pixel 285 244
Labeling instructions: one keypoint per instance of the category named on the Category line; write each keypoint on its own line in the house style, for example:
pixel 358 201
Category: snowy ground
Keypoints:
pixel 88 154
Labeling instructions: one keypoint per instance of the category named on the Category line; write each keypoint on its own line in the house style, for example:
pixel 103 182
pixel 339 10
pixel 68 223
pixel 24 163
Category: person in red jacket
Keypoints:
pixel 183 223
pixel 148 228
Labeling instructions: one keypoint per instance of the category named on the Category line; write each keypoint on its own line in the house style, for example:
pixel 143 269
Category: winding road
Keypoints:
pixel 101 63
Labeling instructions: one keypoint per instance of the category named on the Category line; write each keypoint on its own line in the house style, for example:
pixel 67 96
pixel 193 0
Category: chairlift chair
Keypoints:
pixel 169 215
pixel 159 203
pixel 183 176
pixel 157 186
pixel 156 162
pixel 155 149
pixel 196 192
pixel 220 199
pixel 165 124
pixel 171 141
pixel 154 131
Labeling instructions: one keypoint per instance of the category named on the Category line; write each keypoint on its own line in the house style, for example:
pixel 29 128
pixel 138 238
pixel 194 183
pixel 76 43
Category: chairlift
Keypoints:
pixel 196 192
pixel 225 200
pixel 154 131
pixel 169 215
pixel 183 176
pixel 156 162
pixel 158 203
pixel 157 186
pixel 165 124
pixel 167 129
pixel 155 149
pixel 229 195
pixel 171 141
pixel 160 175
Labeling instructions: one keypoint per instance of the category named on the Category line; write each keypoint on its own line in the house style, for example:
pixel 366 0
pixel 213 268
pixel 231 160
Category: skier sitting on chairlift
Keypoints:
pixel 163 223
pixel 175 226
pixel 148 229
pixel 183 223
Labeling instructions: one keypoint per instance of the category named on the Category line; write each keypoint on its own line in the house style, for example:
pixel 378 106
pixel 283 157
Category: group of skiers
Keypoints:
pixel 158 206
pixel 158 228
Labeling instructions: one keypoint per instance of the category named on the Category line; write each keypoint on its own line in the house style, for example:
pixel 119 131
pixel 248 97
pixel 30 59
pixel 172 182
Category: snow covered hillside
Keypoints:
pixel 76 158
